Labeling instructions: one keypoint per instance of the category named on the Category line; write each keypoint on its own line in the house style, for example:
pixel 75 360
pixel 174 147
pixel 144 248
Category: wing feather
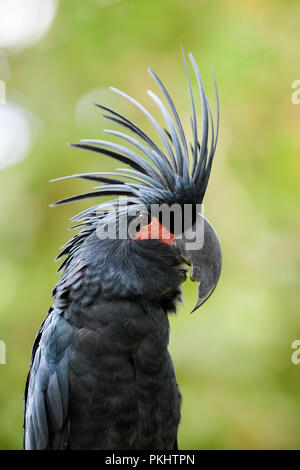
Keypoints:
pixel 46 401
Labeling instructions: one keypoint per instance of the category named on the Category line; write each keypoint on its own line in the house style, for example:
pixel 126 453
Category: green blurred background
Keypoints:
pixel 233 357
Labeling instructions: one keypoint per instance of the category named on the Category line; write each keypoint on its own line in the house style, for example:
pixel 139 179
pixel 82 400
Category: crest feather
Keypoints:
pixel 155 170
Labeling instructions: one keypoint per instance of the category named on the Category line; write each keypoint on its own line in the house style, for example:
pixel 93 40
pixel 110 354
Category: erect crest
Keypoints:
pixel 174 171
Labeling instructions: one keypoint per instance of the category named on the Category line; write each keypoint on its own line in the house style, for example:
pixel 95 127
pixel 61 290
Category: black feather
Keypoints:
pixel 152 166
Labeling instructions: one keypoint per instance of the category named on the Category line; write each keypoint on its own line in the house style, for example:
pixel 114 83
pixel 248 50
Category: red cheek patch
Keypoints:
pixel 155 231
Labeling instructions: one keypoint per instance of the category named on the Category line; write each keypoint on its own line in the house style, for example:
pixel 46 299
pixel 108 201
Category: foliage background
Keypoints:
pixel 232 358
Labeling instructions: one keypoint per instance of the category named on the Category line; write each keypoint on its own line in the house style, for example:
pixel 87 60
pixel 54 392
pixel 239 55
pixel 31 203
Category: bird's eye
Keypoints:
pixel 143 218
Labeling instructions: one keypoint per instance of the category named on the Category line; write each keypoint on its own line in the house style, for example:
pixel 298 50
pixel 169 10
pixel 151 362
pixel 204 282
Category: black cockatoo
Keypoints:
pixel 101 376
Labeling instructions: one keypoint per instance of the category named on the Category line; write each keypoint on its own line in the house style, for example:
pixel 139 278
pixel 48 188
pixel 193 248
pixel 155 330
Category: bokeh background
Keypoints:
pixel 233 357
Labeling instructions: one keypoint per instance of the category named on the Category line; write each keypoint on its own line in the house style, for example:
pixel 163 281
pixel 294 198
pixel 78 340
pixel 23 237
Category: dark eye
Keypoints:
pixel 143 218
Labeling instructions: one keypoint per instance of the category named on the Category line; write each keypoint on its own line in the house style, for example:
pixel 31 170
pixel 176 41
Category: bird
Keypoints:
pixel 101 376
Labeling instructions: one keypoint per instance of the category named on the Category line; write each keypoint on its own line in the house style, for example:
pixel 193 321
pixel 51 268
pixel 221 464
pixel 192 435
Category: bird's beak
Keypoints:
pixel 199 246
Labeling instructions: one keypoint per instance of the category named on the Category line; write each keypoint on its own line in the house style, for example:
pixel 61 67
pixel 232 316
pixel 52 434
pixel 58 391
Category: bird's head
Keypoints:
pixel 163 187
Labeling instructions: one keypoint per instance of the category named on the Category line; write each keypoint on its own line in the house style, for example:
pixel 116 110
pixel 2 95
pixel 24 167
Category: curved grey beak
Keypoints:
pixel 199 246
